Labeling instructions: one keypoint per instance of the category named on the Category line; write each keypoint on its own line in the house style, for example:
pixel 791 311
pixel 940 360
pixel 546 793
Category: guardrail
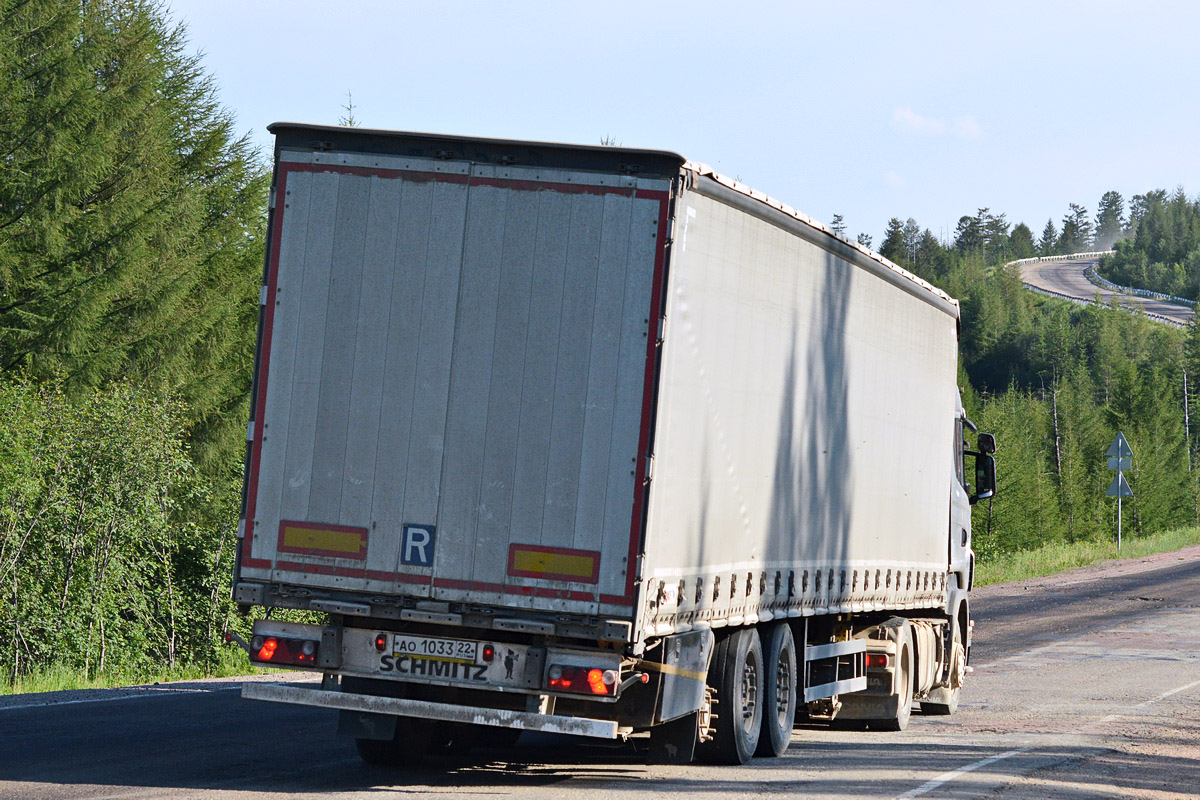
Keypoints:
pixel 1093 254
pixel 1095 278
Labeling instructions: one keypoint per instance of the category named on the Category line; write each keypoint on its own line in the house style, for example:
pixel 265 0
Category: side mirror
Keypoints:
pixel 985 477
pixel 987 443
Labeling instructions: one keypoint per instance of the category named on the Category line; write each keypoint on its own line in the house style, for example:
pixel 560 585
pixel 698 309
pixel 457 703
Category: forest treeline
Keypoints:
pixel 1161 251
pixel 132 221
pixel 1055 381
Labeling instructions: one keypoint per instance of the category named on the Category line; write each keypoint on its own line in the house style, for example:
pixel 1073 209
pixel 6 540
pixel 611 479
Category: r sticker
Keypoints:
pixel 416 546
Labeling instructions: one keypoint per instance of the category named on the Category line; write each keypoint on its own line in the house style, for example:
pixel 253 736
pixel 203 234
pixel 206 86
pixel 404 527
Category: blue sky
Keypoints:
pixel 868 109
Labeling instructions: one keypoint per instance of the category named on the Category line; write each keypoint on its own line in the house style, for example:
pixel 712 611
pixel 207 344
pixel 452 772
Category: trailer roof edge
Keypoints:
pixel 703 170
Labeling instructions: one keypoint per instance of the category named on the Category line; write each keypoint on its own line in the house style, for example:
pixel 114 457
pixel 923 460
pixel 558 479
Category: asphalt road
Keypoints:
pixel 1083 687
pixel 1067 278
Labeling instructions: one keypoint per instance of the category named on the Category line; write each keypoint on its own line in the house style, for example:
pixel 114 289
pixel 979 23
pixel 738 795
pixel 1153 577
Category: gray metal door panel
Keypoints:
pixel 307 290
pixel 541 361
pixel 470 379
pixel 413 424
pixel 273 444
pixel 338 379
pixel 499 447
pixel 635 329
pixel 368 365
pixel 543 454
pixel 570 381
pixel 602 381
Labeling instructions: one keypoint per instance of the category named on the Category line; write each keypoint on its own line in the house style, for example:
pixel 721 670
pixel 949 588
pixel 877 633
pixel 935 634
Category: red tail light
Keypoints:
pixel 595 679
pixel 877 660
pixel 275 650
pixel 267 652
pixel 583 680
pixel 381 642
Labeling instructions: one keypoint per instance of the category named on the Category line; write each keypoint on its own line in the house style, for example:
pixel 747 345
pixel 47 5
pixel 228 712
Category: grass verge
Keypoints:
pixel 232 662
pixel 1059 557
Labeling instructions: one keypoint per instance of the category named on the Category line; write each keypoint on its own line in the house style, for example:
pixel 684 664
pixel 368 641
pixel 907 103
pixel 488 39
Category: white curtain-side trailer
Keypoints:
pixel 594 440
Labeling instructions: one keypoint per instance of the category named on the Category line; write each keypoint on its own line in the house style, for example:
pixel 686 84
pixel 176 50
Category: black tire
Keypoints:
pixel 737 676
pixel 779 690
pixel 905 654
pixel 944 701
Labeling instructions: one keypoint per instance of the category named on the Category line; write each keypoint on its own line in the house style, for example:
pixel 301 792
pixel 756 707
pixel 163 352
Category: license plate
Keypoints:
pixel 429 648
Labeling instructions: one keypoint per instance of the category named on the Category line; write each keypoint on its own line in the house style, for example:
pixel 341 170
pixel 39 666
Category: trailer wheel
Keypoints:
pixel 779 691
pixel 944 700
pixel 737 677
pixel 904 684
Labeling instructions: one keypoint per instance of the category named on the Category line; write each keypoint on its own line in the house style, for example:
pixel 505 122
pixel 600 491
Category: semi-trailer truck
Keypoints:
pixel 595 440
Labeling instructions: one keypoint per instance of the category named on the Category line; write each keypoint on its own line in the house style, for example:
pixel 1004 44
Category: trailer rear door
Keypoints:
pixel 452 380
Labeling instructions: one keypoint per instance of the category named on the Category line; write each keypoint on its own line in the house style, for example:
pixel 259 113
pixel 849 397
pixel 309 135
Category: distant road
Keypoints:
pixel 1086 686
pixel 1067 278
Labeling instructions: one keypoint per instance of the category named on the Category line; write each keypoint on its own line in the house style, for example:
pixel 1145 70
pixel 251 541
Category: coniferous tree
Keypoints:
pixel 130 213
pixel 1110 219
pixel 892 246
pixel 968 234
pixel 911 237
pixel 1048 244
pixel 1020 242
pixel 931 259
pixel 838 226
pixel 1076 236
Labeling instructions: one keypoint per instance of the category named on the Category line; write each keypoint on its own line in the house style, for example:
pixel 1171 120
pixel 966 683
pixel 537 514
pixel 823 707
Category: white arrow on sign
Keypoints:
pixel 1119 448
pixel 1119 487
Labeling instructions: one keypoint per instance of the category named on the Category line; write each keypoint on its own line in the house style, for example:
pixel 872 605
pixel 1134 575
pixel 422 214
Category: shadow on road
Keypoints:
pixel 193 742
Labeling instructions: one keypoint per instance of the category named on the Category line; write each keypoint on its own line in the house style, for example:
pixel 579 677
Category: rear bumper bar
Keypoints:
pixel 500 718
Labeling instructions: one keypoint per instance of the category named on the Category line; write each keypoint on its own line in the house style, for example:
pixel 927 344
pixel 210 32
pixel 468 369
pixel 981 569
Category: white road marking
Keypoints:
pixel 141 695
pixel 1165 695
pixel 929 786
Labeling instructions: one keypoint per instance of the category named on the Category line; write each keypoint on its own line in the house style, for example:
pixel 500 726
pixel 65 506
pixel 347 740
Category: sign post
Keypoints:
pixel 1120 458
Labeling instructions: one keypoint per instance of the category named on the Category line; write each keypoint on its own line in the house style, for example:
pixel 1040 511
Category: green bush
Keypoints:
pixel 112 545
